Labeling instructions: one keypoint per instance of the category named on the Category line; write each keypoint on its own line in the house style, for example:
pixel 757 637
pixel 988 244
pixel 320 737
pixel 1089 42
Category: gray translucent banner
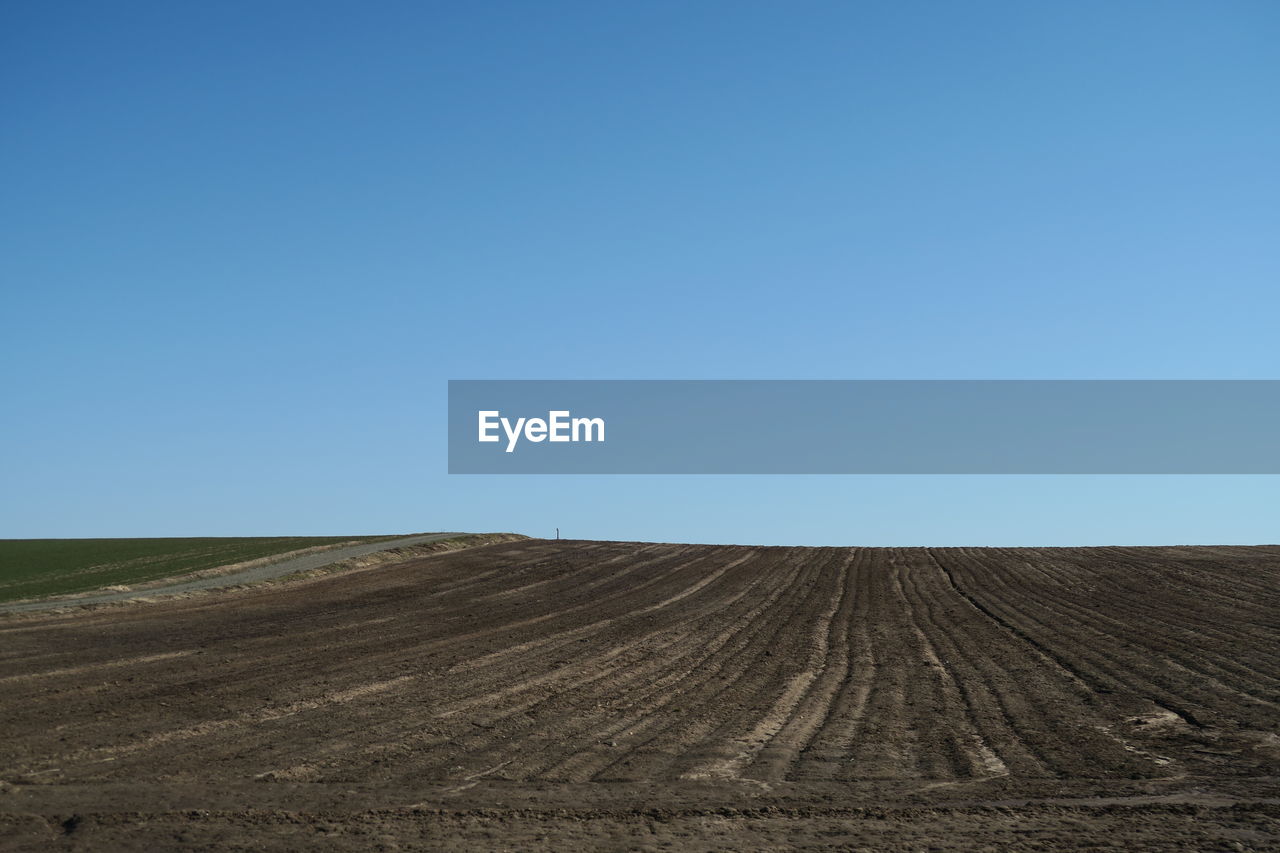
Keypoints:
pixel 864 427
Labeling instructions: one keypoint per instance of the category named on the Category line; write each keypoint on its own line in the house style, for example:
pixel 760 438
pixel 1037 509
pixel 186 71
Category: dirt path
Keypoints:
pixel 266 570
pixel 611 695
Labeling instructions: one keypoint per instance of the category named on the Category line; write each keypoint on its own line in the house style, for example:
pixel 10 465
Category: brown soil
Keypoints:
pixel 608 695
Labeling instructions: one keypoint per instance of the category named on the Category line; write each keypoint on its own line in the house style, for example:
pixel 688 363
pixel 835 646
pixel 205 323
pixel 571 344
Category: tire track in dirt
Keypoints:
pixel 663 731
pixel 616 681
pixel 769 726
pixel 645 732
pixel 780 756
pixel 1142 671
pixel 1038 719
pixel 830 747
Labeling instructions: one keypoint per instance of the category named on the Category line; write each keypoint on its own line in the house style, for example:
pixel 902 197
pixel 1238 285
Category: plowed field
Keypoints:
pixel 626 695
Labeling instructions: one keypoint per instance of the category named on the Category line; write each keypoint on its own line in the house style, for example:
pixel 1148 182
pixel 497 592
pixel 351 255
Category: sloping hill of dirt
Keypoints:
pixel 553 695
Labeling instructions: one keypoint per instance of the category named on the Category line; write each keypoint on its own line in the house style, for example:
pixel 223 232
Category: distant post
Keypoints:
pixel 557 532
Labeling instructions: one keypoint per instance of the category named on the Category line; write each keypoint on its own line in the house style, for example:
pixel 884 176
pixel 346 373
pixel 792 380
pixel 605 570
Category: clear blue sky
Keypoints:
pixel 244 245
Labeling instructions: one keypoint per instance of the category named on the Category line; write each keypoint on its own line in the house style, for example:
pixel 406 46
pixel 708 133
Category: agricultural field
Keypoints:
pixel 30 568
pixel 612 695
